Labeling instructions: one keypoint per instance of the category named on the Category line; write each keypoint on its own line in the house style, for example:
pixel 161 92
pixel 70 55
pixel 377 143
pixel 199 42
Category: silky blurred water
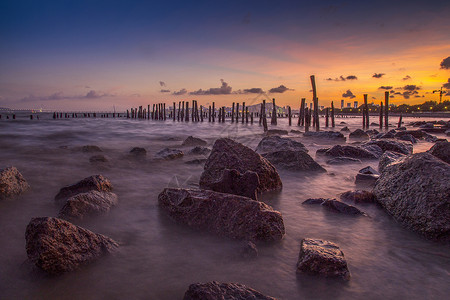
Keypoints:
pixel 158 259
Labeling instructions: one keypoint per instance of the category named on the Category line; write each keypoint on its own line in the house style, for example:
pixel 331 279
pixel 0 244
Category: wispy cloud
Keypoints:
pixel 348 94
pixel 407 77
pixel 342 78
pixel 92 94
pixel 162 83
pixel 224 89
pixel 164 91
pixel 280 89
pixel 385 87
pixel 180 92
pixel 378 75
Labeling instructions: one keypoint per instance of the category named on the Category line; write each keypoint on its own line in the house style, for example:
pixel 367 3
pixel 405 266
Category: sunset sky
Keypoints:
pixel 77 55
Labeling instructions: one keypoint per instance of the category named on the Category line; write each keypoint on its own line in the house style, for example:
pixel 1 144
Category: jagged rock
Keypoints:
pixel 314 201
pixel 416 192
pixel 345 129
pixel 293 160
pixel 335 206
pixel 418 134
pixel 408 138
pixel 138 152
pixel 199 150
pixel 348 151
pixel 323 258
pixel 392 145
pixel 228 154
pixel 98 159
pixel 57 246
pixel 372 132
pixel 197 161
pixel 95 182
pixel 376 150
pixel 358 196
pixel 169 154
pixel 233 182
pixel 441 150
pixel 91 148
pixel 368 170
pixel 386 135
pixel 401 128
pixel 223 291
pixel 88 204
pixel 343 160
pixel 12 183
pixel 342 122
pixel 366 179
pixel 427 125
pixel 358 134
pixel 276 132
pixel 387 158
pixel 223 214
pixel 249 250
pixel 277 143
pixel 330 135
pixel 193 141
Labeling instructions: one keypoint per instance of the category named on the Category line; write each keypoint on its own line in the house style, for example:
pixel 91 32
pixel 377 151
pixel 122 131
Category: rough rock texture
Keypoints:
pixel 249 250
pixel 408 137
pixel 276 132
pixel 233 182
pixel 358 134
pixel 447 133
pixel 12 183
pixel 392 145
pixel 277 143
pixel 343 160
pixel 222 291
pixel 345 129
pixel 416 192
pixel 385 135
pixel 199 150
pixel 91 148
pixel 358 196
pixel 98 159
pixel 198 161
pixel 138 152
pixel 441 150
pixel 293 160
pixel 322 258
pixel 335 206
pixel 376 150
pixel 331 135
pixel 418 134
pixel 223 214
pixel 366 179
pixel 228 154
pixel 169 154
pixel 314 201
pixel 95 182
pixel 387 158
pixel 88 204
pixel 368 170
pixel 349 151
pixel 57 246
pixel 193 141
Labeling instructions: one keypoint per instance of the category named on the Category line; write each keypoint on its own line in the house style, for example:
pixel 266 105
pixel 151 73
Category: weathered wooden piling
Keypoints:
pixel 243 112
pixel 213 112
pixel 367 111
pixel 246 115
pixel 400 121
pixel 232 113
pixel 307 119
pixel 326 117
pixel 251 118
pixel 201 113
pixel 332 114
pixel 274 113
pixel 386 110
pixel 209 114
pixel 301 121
pixel 264 116
pixel 260 114
pixel 381 115
pixel 164 111
pixel 223 114
pixel 187 111
pixel 290 115
pixel 363 117
pixel 316 102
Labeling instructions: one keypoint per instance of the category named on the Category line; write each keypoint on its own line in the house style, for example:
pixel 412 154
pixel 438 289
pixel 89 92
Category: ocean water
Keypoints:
pixel 159 259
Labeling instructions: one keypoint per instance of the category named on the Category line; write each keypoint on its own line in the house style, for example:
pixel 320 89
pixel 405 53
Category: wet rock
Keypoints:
pixel 197 161
pixel 441 150
pixel 57 246
pixel 341 207
pixel 392 145
pixel 386 135
pixel 374 124
pixel 314 201
pixel 98 159
pixel 169 154
pixel 408 138
pixel 376 150
pixel 416 192
pixel 293 160
pixel 401 128
pixel 349 151
pixel 372 132
pixel 199 150
pixel 276 132
pixel 223 214
pixel 427 125
pixel 95 182
pixel 447 133
pixel 249 250
pixel 226 291
pixel 418 134
pixel 323 258
pixel 12 183
pixel 342 122
pixel 366 179
pixel 277 143
pixel 295 131
pixel 228 154
pixel 88 204
pixel 329 135
pixel 359 134
pixel 343 160
pixel 387 158
pixel 345 129
pixel 138 152
pixel 233 182
pixel 368 170
pixel 358 196
pixel 91 148
pixel 193 141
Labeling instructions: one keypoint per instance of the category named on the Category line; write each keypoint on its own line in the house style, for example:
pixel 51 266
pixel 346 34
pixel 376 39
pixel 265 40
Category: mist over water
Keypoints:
pixel 158 258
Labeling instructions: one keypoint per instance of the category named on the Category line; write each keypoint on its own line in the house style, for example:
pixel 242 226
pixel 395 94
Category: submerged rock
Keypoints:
pixel 197 161
pixel 343 160
pixel 323 258
pixel 98 159
pixel 392 145
pixel 277 143
pixel 193 141
pixel 199 150
pixel 314 201
pixel 345 129
pixel 408 138
pixel 335 206
pixel 12 183
pixel 388 158
pixel 367 176
pixel 57 246
pixel 358 196
pixel 331 135
pixel 223 214
pixel 441 150
pixel 249 250
pixel 91 148
pixel 293 160
pixel 138 152
pixel 228 154
pixel 416 192
pixel 222 291
pixel 276 132
pixel 169 154
pixel 359 134
pixel 348 151
pixel 233 182
pixel 88 204
pixel 95 182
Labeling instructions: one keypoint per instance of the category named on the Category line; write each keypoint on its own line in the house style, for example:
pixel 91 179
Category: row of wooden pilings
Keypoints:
pixel 60 115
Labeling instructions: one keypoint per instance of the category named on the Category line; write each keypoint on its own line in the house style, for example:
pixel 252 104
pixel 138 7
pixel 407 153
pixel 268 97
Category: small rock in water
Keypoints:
pixel 12 183
pixel 323 258
pixel 95 182
pixel 345 129
pixel 249 250
pixel 193 141
pixel 277 143
pixel 441 150
pixel 348 151
pixel 199 150
pixel 276 132
pixel 98 159
pixel 358 196
pixel 169 154
pixel 314 201
pixel 368 170
pixel 341 207
pixel 233 182
pixel 392 145
pixel 138 152
pixel 88 204
pixel 91 148
pixel 197 161
pixel 331 135
pixel 295 131
pixel 293 160
pixel 223 291
pixel 359 134
pixel 343 160
pixel 408 138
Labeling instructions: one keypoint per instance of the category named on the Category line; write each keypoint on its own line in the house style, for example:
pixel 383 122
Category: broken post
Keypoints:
pixel 386 110
pixel 316 102
pixel 274 113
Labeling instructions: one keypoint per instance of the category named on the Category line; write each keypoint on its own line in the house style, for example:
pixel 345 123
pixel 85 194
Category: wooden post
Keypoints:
pixel 326 117
pixel 213 112
pixel 201 113
pixel 301 113
pixel 223 114
pixel 316 102
pixel 237 112
pixel 243 112
pixel 128 114
pixel 381 115
pixel 332 114
pixel 182 112
pixel 386 110
pixel 363 117
pixel 306 119
pixel 260 114
pixel 251 118
pixel 274 113
pixel 209 115
pixel 367 111
pixel 179 111
pixel 246 115
pixel 290 115
pixel 400 121
pixel 232 113
pixel 187 111
pixel 164 111
pixel 264 116
pixel 193 111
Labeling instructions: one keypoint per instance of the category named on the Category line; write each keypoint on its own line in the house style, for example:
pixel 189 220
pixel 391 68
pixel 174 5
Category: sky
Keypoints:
pixel 96 55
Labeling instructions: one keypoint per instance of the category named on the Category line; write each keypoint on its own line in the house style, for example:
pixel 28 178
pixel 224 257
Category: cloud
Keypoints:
pixel 445 63
pixel 280 89
pixel 378 75
pixel 250 91
pixel 385 87
pixel 447 85
pixel 165 91
pixel 348 94
pixel 224 89
pixel 180 92
pixel 411 87
pixel 162 83
pixel 407 77
pixel 92 94
pixel 342 78
pixel 410 90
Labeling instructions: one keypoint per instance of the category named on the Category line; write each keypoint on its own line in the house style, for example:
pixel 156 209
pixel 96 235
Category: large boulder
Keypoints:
pixel 193 141
pixel 57 246
pixel 359 134
pixel 323 258
pixel 388 158
pixel 418 134
pixel 392 145
pixel 409 138
pixel 95 182
pixel 12 183
pixel 223 214
pixel 233 182
pixel 293 160
pixel 88 204
pixel 349 151
pixel 441 150
pixel 329 135
pixel 277 143
pixel 416 192
pixel 228 154
pixel 222 291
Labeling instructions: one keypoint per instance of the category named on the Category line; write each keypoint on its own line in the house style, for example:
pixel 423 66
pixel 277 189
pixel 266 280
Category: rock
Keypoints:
pixel 314 201
pixel 222 291
pixel 342 122
pixel 193 141
pixel 366 179
pixel 169 154
pixel 249 250
pixel 368 170
pixel 57 246
pixel 374 124
pixel 95 182
pixel 359 134
pixel 343 160
pixel 447 133
pixel 91 148
pixel 295 131
pixel 401 128
pixel 427 125
pixel 228 154
pixel 372 132
pixel 349 151
pixel 199 150
pixel 293 160
pixel 223 214
pixel 276 143
pixel 345 129
pixel 88 204
pixel 441 150
pixel 408 138
pixel 196 161
pixel 358 196
pixel 387 158
pixel 12 183
pixel 341 207
pixel 330 135
pixel 386 135
pixel 392 145
pixel 98 159
pixel 323 258
pixel 276 132
pixel 233 182
pixel 138 152
pixel 416 192
pixel 418 134
pixel 374 149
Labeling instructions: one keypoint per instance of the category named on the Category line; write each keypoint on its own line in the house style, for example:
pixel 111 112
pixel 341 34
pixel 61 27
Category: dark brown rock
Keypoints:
pixel 88 204
pixel 222 291
pixel 276 132
pixel 343 160
pixel 169 154
pixel 392 145
pixel 98 159
pixel 57 246
pixel 223 214
pixel 293 160
pixel 197 161
pixel 138 152
pixel 349 151
pixel 233 182
pixel 199 150
pixel 408 137
pixel 249 250
pixel 314 201
pixel 193 141
pixel 359 134
pixel 277 143
pixel 441 150
pixel 345 129
pixel 388 158
pixel 341 207
pixel 329 135
pixel 95 182
pixel 12 183
pixel 358 196
pixel 323 258
pixel 228 154
pixel 91 148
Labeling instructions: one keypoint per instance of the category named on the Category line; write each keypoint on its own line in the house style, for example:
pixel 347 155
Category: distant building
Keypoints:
pixel 355 104
pixel 342 104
